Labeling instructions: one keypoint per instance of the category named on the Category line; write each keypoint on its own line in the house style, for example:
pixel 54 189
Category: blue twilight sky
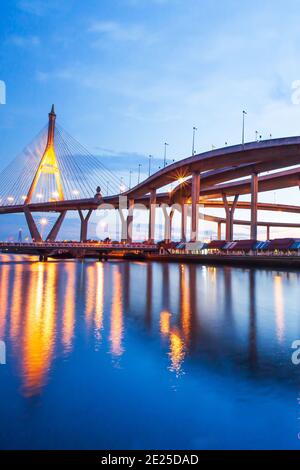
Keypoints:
pixel 128 75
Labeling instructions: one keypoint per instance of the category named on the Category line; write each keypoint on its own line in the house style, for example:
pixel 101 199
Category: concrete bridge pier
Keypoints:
pixel 56 227
pixel 229 216
pixel 183 220
pixel 35 234
pixel 168 223
pixel 129 222
pixel 84 224
pixel 195 206
pixel 254 200
pixel 152 212
pixel 219 231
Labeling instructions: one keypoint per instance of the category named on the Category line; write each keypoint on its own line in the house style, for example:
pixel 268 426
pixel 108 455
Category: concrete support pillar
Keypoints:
pixel 268 232
pixel 152 211
pixel 168 223
pixel 195 206
pixel 56 227
pixel 124 220
pixel 130 220
pixel 254 199
pixel 35 234
pixel 183 220
pixel 219 230
pixel 84 224
pixel 229 216
pixel 171 222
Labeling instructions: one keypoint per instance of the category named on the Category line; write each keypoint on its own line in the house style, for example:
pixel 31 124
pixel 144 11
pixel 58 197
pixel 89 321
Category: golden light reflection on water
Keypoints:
pixel 177 347
pixel 94 306
pixel 99 298
pixel 16 305
pixel 177 352
pixel 116 325
pixel 165 323
pixel 39 328
pixel 5 270
pixel 40 314
pixel 69 307
pixel 185 303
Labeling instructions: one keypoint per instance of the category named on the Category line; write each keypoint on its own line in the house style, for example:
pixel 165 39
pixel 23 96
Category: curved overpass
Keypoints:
pixel 211 174
pixel 226 163
pixel 215 174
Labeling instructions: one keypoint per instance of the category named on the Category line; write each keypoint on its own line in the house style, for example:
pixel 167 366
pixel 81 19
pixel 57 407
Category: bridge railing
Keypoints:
pixel 76 245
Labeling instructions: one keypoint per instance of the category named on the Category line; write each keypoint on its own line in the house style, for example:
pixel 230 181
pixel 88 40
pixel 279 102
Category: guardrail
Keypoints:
pixel 62 245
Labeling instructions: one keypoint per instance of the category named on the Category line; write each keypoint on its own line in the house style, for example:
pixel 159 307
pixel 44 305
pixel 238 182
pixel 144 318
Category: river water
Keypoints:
pixel 137 355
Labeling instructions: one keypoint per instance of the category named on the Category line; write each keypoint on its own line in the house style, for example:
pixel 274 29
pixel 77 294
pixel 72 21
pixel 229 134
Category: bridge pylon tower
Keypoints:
pixel 48 164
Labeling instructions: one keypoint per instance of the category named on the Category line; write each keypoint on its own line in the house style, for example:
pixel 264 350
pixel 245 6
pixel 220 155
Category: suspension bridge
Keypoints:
pixel 55 173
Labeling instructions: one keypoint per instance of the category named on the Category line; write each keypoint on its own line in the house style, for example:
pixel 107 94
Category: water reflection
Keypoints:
pixel 38 336
pixel 99 300
pixel 185 302
pixel 116 325
pixel 279 307
pixel 165 323
pixel 69 308
pixel 176 352
pixel 4 296
pixel 199 312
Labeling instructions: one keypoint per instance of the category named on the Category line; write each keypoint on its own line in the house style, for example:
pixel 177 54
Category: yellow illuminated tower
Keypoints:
pixel 48 163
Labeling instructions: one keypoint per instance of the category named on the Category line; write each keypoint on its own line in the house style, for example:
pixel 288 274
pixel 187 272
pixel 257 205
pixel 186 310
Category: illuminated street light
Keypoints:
pixel 75 192
pixel 180 180
pixel 10 199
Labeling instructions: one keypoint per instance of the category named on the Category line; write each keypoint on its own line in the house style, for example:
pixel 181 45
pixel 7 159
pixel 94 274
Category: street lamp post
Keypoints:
pixel 150 158
pixel 165 154
pixel 193 146
pixel 122 186
pixel 139 174
pixel 243 128
pixel 130 173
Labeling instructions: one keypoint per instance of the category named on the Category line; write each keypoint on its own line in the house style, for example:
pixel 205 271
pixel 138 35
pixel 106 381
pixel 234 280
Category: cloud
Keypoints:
pixel 120 32
pixel 147 2
pixel 63 74
pixel 24 41
pixel 34 7
pixel 38 7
